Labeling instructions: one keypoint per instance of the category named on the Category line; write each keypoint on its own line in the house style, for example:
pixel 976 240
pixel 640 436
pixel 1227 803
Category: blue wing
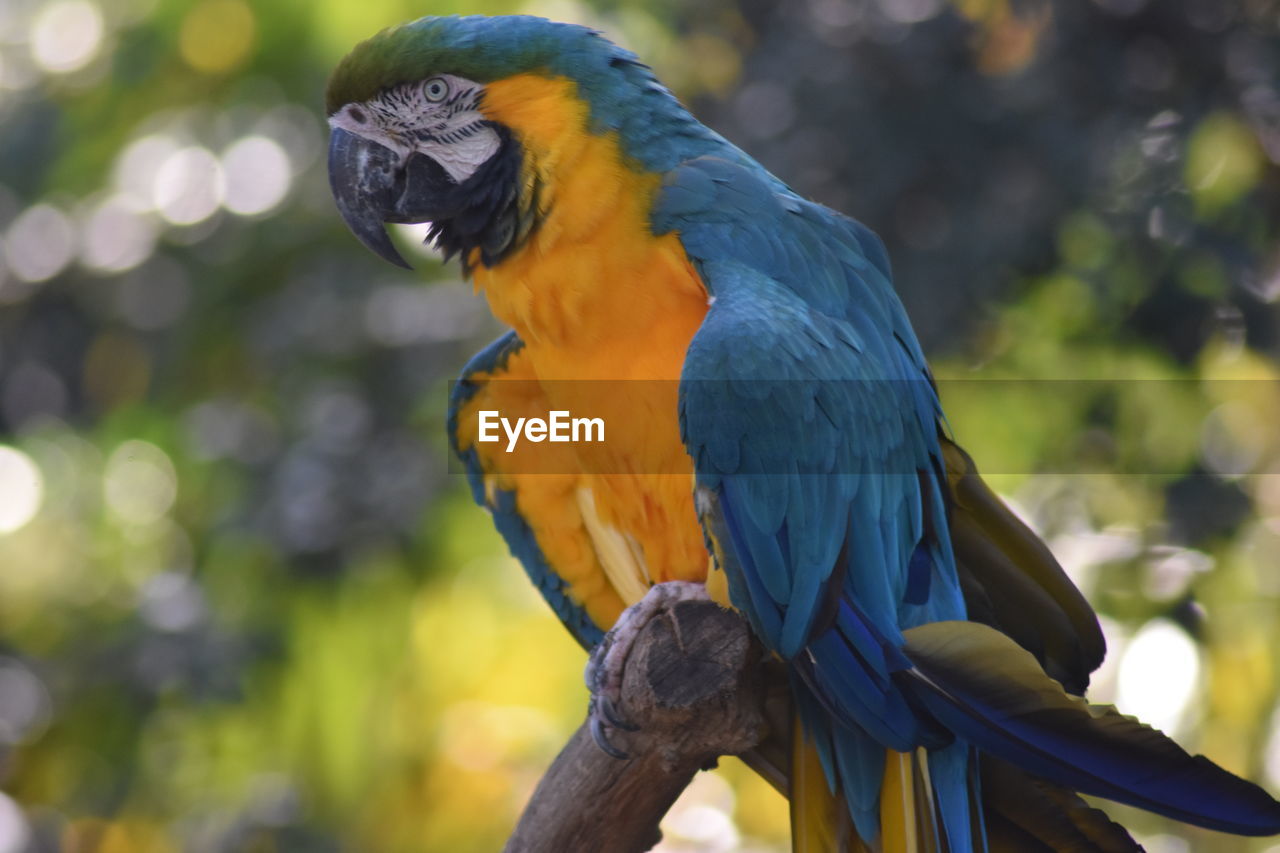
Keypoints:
pixel 807 408
pixel 514 528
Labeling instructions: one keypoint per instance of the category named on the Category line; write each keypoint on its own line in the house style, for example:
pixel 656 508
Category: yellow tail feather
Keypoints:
pixel 897 805
pixel 820 821
pixel 908 823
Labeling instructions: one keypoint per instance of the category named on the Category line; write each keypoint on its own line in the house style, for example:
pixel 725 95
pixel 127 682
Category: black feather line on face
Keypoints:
pixel 498 214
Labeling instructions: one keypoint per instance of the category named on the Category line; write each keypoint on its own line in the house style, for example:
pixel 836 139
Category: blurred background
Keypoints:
pixel 245 607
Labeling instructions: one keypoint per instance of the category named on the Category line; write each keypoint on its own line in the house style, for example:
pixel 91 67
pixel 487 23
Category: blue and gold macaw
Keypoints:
pixel 773 430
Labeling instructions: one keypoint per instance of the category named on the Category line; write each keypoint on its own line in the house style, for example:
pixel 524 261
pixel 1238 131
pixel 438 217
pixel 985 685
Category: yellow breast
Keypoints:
pixel 606 311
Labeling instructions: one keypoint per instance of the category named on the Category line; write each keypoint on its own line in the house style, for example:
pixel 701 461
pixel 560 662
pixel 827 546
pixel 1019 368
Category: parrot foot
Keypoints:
pixel 608 660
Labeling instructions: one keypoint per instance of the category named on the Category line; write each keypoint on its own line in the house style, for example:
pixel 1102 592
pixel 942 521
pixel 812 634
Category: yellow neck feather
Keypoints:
pixel 593 294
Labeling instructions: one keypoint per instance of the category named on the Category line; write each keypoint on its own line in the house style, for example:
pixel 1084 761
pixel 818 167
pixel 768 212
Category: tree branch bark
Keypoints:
pixel 695 686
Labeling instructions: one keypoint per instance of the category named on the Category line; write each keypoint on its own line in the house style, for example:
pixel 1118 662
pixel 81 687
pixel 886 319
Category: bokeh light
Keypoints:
pixel 189 186
pixel 910 11
pixel 66 35
pixel 15 831
pixel 217 35
pixel 139 482
pixel 139 162
pixel 39 243
pixel 1163 843
pixel 117 236
pixel 172 602
pixel 21 489
pixel 25 704
pixel 701 819
pixel 1230 443
pixel 1223 161
pixel 1271 757
pixel 257 173
pixel 1158 675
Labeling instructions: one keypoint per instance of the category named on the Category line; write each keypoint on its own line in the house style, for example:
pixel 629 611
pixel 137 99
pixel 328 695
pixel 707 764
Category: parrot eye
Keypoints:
pixel 436 89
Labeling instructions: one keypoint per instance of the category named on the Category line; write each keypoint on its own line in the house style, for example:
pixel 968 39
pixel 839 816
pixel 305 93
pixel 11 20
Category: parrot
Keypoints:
pixel 775 443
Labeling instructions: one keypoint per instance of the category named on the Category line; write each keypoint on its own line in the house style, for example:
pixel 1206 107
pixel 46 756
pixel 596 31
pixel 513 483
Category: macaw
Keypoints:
pixel 775 442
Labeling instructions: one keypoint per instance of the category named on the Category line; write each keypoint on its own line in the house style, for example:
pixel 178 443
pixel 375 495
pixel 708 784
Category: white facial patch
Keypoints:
pixel 439 117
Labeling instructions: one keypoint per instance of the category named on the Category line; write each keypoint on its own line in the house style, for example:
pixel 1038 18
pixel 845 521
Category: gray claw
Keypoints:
pixel 598 735
pixel 611 715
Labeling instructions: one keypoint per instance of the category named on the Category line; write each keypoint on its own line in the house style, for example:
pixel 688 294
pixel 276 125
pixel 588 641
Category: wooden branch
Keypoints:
pixel 694 686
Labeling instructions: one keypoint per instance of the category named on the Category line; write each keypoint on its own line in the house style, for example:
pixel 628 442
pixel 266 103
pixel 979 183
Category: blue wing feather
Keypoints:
pixel 815 429
pixel 514 528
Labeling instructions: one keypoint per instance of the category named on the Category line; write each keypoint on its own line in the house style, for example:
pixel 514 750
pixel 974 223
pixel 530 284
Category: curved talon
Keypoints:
pixel 598 735
pixel 603 673
pixel 611 715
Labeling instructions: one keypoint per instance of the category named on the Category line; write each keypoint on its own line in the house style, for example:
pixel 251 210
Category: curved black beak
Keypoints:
pixel 372 187
pixel 362 176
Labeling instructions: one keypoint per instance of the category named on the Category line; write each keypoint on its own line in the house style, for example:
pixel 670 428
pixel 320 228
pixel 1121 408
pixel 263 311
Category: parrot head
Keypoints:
pixel 412 139
pixel 416 152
